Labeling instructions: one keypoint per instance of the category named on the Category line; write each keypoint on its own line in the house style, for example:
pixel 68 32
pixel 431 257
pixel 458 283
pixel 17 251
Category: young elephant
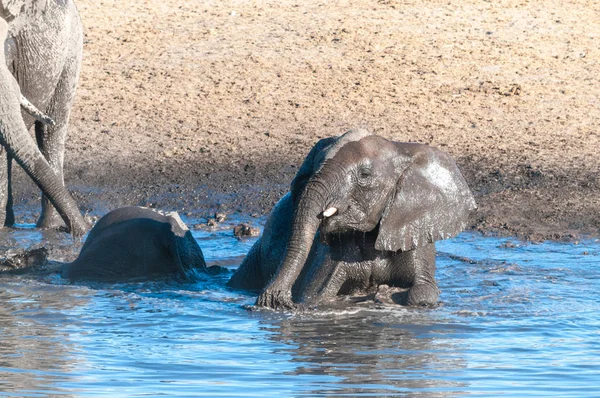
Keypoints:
pixel 362 212
pixel 137 243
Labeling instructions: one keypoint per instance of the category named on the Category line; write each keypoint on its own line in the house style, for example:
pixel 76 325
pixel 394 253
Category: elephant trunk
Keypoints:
pixel 306 221
pixel 20 145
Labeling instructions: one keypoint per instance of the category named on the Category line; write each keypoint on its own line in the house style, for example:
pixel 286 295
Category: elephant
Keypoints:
pixel 137 243
pixel 43 51
pixel 17 143
pixel 362 211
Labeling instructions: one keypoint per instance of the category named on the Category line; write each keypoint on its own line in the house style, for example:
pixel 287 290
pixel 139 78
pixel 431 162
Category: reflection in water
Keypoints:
pixel 514 319
pixel 373 352
pixel 30 343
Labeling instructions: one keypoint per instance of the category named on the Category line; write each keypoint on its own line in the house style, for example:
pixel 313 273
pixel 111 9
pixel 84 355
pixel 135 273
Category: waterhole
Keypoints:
pixel 514 319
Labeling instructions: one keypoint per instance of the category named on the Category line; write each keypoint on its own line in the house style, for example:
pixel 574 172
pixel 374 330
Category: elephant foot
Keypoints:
pixel 275 299
pixel 50 220
pixel 53 220
pixel 422 296
pixel 389 295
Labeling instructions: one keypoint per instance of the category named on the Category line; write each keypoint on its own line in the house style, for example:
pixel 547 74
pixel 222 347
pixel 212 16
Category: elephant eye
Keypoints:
pixel 365 172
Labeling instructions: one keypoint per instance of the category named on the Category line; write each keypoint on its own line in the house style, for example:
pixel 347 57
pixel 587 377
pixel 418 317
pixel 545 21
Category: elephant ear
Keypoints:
pixel 186 252
pixel 432 200
pixel 12 9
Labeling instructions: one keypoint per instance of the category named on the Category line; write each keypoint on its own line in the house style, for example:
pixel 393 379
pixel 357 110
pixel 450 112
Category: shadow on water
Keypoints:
pixel 514 319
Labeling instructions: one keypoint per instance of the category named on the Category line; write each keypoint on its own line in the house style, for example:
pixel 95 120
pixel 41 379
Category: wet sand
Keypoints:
pixel 209 106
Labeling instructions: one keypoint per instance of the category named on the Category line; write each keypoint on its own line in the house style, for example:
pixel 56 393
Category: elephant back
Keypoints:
pixel 131 213
pixel 137 243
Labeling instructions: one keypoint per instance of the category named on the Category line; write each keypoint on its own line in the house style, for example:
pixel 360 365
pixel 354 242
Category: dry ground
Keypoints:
pixel 198 106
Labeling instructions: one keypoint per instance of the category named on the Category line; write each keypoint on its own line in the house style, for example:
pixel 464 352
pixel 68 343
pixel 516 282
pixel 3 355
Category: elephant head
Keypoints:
pixel 20 145
pixel 414 194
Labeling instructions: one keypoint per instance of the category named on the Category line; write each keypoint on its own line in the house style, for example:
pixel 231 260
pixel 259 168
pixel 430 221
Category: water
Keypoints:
pixel 516 319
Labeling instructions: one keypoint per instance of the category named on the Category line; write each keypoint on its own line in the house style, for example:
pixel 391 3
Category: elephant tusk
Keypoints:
pixel 329 212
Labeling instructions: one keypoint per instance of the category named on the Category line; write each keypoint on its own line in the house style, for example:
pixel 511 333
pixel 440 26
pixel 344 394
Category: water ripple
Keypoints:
pixel 515 319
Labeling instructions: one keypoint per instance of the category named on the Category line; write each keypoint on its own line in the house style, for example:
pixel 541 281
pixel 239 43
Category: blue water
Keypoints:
pixel 516 319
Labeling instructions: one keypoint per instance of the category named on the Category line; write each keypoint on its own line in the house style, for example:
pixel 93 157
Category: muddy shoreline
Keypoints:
pixel 523 202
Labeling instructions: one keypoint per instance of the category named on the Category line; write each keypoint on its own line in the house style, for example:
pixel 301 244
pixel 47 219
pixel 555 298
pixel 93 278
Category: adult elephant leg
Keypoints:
pixel 52 151
pixel 51 139
pixel 7 215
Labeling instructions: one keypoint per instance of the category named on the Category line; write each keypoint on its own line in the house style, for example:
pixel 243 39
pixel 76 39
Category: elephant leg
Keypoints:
pixel 424 291
pixel 51 141
pixel 49 217
pixel 7 215
pixel 327 289
pixel 324 280
pixel 9 220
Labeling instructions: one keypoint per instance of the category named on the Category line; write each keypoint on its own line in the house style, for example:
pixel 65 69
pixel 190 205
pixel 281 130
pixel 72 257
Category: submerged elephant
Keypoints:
pixel 17 143
pixel 137 243
pixel 43 51
pixel 362 211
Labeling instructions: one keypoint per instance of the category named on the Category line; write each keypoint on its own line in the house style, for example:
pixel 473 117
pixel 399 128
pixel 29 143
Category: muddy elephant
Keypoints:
pixel 43 51
pixel 137 243
pixel 362 211
pixel 17 143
